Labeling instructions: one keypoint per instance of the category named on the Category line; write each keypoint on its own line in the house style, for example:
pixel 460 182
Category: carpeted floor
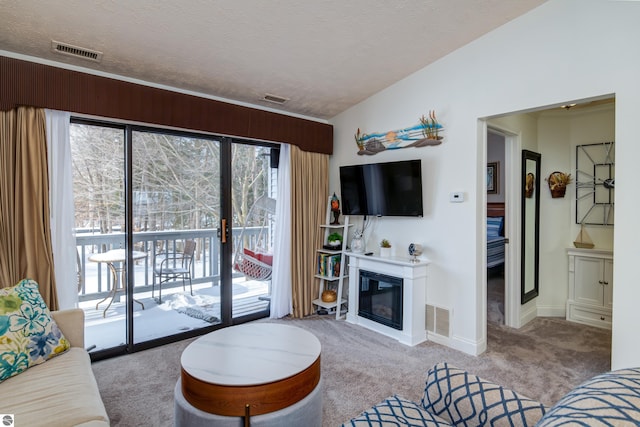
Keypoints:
pixel 542 360
pixel 495 298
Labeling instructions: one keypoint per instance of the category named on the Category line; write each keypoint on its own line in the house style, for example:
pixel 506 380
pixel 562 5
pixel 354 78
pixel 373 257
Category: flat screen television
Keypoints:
pixel 382 189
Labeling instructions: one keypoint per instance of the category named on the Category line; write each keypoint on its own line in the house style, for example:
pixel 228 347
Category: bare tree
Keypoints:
pixel 98 162
pixel 176 179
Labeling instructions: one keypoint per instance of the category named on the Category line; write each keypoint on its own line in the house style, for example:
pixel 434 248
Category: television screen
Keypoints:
pixel 382 189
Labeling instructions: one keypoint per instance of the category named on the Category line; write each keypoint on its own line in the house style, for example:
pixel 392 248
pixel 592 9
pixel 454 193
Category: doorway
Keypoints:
pixel 555 132
pixel 496 226
pixel 503 223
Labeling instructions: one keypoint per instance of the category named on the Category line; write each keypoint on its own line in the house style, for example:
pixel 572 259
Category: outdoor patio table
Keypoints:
pixel 115 260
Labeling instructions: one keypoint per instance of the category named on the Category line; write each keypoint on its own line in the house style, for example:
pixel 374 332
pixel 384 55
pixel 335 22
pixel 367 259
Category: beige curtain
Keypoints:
pixel 25 233
pixel 309 195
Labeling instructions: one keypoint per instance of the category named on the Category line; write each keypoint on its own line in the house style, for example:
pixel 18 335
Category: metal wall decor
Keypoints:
pixel 426 133
pixel 595 183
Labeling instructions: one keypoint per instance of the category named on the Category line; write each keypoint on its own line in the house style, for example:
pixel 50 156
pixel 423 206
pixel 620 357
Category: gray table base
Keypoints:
pixel 305 413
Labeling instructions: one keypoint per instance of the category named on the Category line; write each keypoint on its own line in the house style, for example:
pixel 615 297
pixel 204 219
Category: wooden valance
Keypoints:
pixel 29 83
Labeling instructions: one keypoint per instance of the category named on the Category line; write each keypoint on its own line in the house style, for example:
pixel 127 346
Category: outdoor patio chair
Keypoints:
pixel 174 267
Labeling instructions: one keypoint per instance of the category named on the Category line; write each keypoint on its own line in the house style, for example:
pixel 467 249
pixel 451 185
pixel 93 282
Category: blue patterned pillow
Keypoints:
pixel 467 400
pixel 610 399
pixel 396 411
pixel 494 226
pixel 28 334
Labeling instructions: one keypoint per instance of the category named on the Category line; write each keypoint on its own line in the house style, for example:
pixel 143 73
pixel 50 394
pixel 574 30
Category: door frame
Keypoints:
pixel 512 149
pixel 226 249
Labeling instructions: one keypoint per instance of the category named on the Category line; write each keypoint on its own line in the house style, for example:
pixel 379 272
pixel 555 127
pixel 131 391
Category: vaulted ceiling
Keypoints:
pixel 322 56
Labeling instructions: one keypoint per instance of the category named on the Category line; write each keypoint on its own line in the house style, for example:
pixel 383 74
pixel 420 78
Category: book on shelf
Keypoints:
pixel 329 265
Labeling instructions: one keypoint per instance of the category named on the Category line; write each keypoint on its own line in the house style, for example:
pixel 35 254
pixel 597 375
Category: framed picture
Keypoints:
pixel 493 177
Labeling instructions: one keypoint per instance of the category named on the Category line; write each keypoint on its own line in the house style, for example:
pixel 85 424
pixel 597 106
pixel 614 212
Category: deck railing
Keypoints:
pixel 97 281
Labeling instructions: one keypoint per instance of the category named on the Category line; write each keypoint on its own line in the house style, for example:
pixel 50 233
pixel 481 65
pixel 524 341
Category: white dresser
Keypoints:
pixel 590 287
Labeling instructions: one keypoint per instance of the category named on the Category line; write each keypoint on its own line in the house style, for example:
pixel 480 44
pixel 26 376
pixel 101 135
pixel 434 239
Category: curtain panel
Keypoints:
pixel 62 209
pixel 309 192
pixel 281 290
pixel 25 240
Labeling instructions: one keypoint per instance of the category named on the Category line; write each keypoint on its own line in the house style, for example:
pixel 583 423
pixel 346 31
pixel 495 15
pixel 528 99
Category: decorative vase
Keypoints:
pixel 336 215
pixel 357 243
pixel 329 295
pixel 335 209
pixel 385 252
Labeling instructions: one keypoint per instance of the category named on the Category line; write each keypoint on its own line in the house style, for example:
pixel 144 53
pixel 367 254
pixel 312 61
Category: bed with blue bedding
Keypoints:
pixel 495 241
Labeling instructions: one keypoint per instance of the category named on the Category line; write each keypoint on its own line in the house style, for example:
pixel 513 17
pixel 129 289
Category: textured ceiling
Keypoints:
pixel 323 55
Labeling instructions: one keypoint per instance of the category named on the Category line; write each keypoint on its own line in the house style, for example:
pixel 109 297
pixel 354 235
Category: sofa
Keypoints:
pixel 453 397
pixel 61 391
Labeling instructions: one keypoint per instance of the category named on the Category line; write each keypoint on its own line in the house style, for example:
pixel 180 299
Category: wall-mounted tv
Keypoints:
pixel 382 189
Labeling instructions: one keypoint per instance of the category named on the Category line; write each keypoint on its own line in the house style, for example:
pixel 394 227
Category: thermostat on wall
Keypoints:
pixel 456 197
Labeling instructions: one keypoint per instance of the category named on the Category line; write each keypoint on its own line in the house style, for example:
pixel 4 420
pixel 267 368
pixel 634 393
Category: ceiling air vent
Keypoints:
pixel 274 98
pixel 75 51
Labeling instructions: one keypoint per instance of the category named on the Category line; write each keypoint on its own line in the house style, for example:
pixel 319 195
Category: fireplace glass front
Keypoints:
pixel 380 298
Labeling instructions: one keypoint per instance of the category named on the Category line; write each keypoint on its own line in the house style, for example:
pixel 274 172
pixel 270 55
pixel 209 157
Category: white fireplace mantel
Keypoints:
pixel 414 275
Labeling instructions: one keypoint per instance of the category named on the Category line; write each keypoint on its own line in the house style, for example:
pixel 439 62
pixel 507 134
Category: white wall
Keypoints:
pixel 556 53
pixel 558 136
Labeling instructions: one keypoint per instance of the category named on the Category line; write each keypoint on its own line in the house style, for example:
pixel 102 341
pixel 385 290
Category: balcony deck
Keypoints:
pixel 179 311
pixel 160 320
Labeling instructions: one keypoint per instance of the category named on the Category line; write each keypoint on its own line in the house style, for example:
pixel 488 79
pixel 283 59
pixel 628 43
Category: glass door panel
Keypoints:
pixel 176 212
pixel 98 186
pixel 254 187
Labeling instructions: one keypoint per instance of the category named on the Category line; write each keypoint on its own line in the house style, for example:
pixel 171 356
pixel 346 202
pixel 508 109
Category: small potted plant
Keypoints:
pixel 385 248
pixel 558 182
pixel 334 239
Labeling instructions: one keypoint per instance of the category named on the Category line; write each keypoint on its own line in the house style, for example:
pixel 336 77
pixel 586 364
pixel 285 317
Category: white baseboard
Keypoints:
pixel 528 316
pixel 552 311
pixel 464 345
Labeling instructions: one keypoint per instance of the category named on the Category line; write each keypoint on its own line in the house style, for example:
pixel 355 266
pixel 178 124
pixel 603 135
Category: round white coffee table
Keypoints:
pixel 268 371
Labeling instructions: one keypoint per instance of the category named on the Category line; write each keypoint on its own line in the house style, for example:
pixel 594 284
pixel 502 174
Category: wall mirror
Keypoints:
pixel 530 224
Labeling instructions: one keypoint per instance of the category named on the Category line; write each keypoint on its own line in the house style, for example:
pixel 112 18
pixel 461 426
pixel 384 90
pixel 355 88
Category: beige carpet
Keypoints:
pixel 495 298
pixel 543 360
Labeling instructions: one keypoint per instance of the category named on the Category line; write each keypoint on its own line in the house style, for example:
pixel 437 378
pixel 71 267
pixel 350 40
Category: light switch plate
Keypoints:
pixel 456 197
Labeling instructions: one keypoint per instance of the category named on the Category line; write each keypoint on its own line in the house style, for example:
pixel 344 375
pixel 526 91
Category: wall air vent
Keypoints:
pixel 274 98
pixel 437 320
pixel 75 51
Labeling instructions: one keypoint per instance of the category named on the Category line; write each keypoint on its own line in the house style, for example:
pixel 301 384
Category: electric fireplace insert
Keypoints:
pixel 380 298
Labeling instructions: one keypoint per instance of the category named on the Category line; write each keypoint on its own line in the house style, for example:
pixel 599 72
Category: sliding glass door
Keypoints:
pixel 176 212
pixel 253 195
pixel 175 232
